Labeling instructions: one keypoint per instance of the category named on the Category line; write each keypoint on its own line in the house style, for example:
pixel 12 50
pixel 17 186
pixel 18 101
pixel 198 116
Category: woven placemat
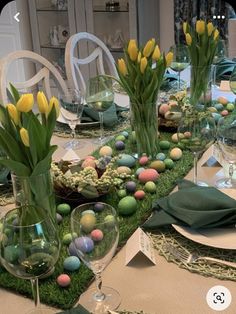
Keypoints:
pixel 169 236
pixel 6 195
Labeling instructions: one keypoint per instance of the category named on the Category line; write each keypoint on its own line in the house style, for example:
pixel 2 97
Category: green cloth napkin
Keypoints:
pixel 110 116
pixel 194 206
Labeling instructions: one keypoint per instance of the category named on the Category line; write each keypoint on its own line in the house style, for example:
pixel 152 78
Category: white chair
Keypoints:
pixel 47 72
pixel 100 55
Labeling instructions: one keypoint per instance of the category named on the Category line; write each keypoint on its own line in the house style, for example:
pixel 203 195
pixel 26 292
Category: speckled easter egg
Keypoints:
pixel 88 222
pixel 164 145
pixel 218 107
pixel 230 106
pixel 125 133
pixel 110 220
pixel 139 170
pixel 213 109
pixel 127 205
pixel 174 138
pixel 130 186
pixel 121 193
pixel 169 163
pixel 161 156
pixel 63 209
pixel 98 207
pixel 88 163
pixel 224 113
pixel 176 153
pixel 158 165
pixel 120 137
pixel 222 100
pixel 139 195
pixel 88 211
pixel 148 175
pixel 63 280
pixel 143 160
pixel 163 109
pixel 68 237
pixel 105 151
pixel 59 218
pixel 216 116
pixel 97 235
pixel 126 160
pixel 90 157
pixel 119 145
pixel 71 263
pixel 123 169
pixel 150 187
pixel 84 244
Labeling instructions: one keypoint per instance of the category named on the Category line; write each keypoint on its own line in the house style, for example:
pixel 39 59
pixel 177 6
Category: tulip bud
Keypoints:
pixel 143 64
pixel 216 34
pixel 169 58
pixel 24 136
pixel 139 57
pixel 132 49
pixel 13 113
pixel 122 67
pixel 156 53
pixel 200 27
pixel 210 28
pixel 42 102
pixel 188 39
pixel 25 103
pixel 54 102
pixel 185 24
pixel 148 49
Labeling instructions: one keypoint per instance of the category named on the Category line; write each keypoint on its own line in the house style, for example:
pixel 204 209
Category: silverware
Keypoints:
pixel 187 257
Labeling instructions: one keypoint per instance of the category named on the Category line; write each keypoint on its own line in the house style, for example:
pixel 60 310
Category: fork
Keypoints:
pixel 187 257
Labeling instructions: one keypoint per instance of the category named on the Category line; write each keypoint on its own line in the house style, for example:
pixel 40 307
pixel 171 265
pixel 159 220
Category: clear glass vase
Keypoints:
pixel 144 123
pixel 35 190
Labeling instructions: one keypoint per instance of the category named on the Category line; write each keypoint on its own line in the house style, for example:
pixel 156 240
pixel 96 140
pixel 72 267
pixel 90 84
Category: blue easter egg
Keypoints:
pixel 130 186
pixel 125 133
pixel 71 263
pixel 160 156
pixel 98 207
pixel 72 249
pixel 119 145
pixel 84 244
pixel 139 170
pixel 216 116
pixel 126 160
pixel 219 106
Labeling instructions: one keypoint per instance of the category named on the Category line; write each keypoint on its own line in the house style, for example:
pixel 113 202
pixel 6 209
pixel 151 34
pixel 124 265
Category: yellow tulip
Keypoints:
pixel 54 102
pixel 185 24
pixel 216 34
pixel 200 27
pixel 133 49
pixel 139 57
pixel 156 53
pixel 169 58
pixel 122 67
pixel 42 102
pixel 143 64
pixel 210 28
pixel 24 136
pixel 148 49
pixel 188 39
pixel 25 103
pixel 13 113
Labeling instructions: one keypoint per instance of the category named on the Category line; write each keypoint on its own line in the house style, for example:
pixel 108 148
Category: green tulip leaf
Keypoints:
pixel 44 164
pixel 17 167
pixel 14 92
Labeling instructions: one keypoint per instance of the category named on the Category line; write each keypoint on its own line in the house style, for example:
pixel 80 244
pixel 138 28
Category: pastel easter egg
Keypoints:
pixel 148 175
pixel 98 207
pixel 150 187
pixel 125 133
pixel 173 103
pixel 71 263
pixel 164 145
pixel 88 211
pixel 230 106
pixel 105 151
pixel 63 209
pixel 110 220
pixel 88 222
pixel 213 109
pixel 88 163
pixel 176 153
pixel 72 249
pixel 169 163
pixel 68 237
pixel 163 109
pixel 139 170
pixel 120 137
pixel 97 235
pixel 84 244
pixel 59 218
pixel 123 169
pixel 160 156
pixel 139 195
pixel 218 107
pixel 119 145
pixel 121 193
pixel 143 160
pixel 127 205
pixel 90 157
pixel 63 280
pixel 216 116
pixel 187 134
pixel 126 160
pixel 222 100
pixel 224 113
pixel 158 165
pixel 130 186
pixel 174 138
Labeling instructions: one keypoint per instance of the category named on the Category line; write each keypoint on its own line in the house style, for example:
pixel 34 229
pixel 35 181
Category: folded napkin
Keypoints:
pixel 224 69
pixel 110 116
pixel 194 206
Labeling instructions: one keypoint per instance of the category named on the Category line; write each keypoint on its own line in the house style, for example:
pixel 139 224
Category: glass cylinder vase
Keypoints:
pixel 200 85
pixel 144 123
pixel 35 190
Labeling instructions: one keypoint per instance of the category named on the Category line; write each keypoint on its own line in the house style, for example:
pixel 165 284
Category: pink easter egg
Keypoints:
pixel 143 160
pixel 88 163
pixel 97 235
pixel 139 195
pixel 148 175
pixel 187 134
pixel 163 109
pixel 90 157
pixel 63 280
pixel 224 113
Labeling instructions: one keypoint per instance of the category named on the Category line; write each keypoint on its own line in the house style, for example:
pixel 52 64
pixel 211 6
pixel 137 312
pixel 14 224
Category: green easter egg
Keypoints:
pixel 169 163
pixel 68 237
pixel 150 187
pixel 230 106
pixel 120 138
pixel 127 205
pixel 63 209
pixel 121 193
pixel 164 145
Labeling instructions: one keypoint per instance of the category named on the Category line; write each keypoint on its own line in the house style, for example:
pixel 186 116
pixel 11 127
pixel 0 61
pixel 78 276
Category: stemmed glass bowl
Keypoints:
pixel 96 228
pixel 29 248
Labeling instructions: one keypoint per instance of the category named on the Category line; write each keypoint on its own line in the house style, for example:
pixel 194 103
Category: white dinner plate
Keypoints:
pixel 224 238
pixel 61 119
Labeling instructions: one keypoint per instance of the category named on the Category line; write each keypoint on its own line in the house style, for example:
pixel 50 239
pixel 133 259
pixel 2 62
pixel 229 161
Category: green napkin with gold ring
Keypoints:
pixel 193 206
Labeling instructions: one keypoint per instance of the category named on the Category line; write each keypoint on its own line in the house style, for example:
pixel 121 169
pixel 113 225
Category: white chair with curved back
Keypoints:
pixel 98 60
pixel 46 72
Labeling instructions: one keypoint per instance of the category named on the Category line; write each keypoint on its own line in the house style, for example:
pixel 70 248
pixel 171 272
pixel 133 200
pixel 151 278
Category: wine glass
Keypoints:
pixel 71 110
pixel 97 233
pixel 218 57
pixel 180 61
pixel 29 247
pixel 196 131
pixel 100 97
